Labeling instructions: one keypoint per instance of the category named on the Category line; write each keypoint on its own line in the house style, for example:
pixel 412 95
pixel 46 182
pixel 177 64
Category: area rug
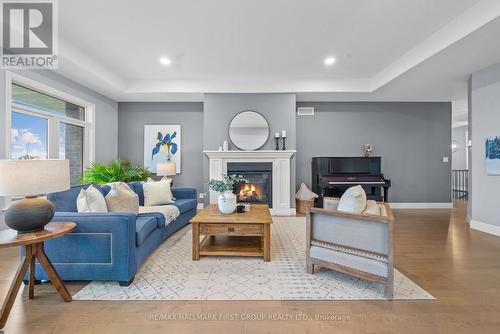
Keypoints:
pixel 170 274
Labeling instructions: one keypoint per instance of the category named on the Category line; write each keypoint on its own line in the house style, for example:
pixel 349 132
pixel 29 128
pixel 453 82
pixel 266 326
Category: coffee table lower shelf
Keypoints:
pixel 231 246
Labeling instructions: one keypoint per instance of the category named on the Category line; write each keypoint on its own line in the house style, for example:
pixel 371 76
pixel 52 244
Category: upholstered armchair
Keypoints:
pixel 360 245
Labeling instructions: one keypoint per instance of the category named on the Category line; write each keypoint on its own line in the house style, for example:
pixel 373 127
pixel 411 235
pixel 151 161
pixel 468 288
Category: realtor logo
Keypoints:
pixel 29 34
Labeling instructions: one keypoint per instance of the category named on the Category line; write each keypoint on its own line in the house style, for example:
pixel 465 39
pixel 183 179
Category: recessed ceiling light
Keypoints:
pixel 165 61
pixel 329 61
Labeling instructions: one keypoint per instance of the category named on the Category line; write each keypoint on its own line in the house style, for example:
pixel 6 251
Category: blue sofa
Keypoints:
pixel 110 246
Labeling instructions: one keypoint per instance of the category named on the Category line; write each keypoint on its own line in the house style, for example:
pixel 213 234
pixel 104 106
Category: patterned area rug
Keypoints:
pixel 170 274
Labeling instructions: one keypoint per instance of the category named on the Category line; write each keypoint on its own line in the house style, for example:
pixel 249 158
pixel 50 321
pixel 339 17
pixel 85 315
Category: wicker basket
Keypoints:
pixel 303 206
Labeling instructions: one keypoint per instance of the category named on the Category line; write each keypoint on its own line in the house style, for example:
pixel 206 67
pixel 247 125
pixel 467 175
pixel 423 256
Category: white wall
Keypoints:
pixel 459 157
pixel 484 122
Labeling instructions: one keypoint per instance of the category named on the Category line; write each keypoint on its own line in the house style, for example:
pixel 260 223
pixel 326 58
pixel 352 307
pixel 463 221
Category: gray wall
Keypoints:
pixel 484 122
pixel 459 157
pixel 132 117
pixel 106 123
pixel 278 109
pixel 411 138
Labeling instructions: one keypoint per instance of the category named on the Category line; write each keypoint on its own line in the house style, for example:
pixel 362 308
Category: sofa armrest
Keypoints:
pixel 117 227
pixel 184 193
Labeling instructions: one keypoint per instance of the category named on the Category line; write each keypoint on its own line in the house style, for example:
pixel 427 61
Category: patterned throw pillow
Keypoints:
pixel 121 198
pixel 91 200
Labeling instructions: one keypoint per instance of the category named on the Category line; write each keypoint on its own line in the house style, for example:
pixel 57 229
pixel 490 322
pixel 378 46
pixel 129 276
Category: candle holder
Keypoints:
pixel 277 143
pixel 284 144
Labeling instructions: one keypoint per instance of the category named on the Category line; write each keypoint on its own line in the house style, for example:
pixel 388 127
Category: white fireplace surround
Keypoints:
pixel 281 173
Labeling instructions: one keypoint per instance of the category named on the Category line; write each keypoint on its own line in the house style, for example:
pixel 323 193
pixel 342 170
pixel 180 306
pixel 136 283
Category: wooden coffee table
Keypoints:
pixel 234 234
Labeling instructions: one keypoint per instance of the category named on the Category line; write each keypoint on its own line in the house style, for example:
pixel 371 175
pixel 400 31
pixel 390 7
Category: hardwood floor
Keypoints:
pixel 434 248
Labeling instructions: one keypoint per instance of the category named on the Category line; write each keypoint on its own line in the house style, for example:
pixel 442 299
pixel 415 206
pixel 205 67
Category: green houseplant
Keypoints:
pixel 226 200
pixel 116 171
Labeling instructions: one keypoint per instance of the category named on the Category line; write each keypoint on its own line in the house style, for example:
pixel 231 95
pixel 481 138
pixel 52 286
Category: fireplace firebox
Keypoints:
pixel 260 181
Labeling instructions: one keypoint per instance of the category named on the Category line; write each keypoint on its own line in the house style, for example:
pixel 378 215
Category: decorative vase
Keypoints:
pixel 227 202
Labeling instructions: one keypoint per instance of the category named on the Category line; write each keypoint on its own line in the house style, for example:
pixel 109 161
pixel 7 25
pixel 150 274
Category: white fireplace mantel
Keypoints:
pixel 281 173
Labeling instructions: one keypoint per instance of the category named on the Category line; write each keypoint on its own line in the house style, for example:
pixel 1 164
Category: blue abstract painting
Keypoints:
pixel 162 143
pixel 492 151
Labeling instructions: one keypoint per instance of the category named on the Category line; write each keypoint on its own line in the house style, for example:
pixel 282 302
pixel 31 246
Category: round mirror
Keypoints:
pixel 248 130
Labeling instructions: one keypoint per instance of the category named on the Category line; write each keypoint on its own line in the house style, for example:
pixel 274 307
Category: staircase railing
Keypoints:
pixel 460 183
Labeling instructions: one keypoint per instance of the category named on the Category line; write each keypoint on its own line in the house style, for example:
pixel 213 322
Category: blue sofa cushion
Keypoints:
pixel 138 189
pixel 186 204
pixel 144 226
pixel 65 201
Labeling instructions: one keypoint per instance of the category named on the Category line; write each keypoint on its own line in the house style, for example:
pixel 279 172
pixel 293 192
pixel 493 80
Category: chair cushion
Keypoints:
pixel 353 200
pixel 186 204
pixel 144 226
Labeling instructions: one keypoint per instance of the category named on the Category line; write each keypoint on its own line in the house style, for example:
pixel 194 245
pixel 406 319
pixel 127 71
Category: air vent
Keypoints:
pixel 305 111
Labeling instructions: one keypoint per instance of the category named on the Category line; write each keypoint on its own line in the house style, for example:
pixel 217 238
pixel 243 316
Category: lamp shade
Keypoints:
pixel 33 177
pixel 166 169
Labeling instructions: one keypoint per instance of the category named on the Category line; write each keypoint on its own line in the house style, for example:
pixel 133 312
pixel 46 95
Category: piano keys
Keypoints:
pixel 332 176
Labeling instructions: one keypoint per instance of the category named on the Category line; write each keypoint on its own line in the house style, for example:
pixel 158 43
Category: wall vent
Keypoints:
pixel 305 111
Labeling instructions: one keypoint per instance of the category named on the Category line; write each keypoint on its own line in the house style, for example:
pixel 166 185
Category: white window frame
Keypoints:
pixel 53 120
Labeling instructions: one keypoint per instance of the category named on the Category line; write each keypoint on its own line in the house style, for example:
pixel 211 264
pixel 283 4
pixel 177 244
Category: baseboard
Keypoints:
pixel 486 228
pixel 422 205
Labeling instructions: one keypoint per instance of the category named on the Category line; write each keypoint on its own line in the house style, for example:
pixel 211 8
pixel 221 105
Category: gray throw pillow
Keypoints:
pixel 121 198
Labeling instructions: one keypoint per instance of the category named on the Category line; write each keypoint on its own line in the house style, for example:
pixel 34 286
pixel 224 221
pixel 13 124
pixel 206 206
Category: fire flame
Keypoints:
pixel 248 190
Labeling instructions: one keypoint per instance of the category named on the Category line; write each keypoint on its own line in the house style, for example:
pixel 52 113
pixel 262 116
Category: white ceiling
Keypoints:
pixel 385 49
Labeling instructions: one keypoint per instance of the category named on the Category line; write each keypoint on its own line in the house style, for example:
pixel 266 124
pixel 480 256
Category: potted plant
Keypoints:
pixel 226 200
pixel 116 171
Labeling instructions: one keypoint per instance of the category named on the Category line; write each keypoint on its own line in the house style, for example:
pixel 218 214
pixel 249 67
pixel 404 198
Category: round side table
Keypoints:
pixel 33 249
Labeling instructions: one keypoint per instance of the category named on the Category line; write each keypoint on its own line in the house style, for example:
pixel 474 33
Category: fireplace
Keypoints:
pixel 260 181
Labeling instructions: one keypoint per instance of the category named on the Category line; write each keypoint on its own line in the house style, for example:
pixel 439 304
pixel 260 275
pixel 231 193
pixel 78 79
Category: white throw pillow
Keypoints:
pixel 372 208
pixel 121 198
pixel 157 193
pixel 91 200
pixel 165 178
pixel 304 194
pixel 353 200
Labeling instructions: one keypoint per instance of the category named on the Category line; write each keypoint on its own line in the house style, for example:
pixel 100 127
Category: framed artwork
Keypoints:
pixel 492 152
pixel 162 143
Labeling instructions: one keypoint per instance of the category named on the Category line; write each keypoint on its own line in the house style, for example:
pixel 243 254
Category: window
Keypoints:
pixel 45 124
pixel 28 136
pixel 31 98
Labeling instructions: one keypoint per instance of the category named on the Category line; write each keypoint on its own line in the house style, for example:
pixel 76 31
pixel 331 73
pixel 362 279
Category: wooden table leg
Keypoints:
pixel 14 287
pixel 196 241
pixel 267 242
pixel 51 272
pixel 31 286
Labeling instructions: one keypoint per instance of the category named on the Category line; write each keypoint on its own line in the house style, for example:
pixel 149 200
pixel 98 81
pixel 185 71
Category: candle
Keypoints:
pixel 283 133
pixel 277 135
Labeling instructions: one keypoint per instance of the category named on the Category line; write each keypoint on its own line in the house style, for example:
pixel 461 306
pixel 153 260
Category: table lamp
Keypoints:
pixel 31 178
pixel 166 169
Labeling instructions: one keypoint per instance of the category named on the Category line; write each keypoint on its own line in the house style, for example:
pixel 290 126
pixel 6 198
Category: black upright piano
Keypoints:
pixel 332 176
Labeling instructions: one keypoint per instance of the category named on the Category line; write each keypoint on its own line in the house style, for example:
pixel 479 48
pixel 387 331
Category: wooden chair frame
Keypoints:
pixel 313 263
